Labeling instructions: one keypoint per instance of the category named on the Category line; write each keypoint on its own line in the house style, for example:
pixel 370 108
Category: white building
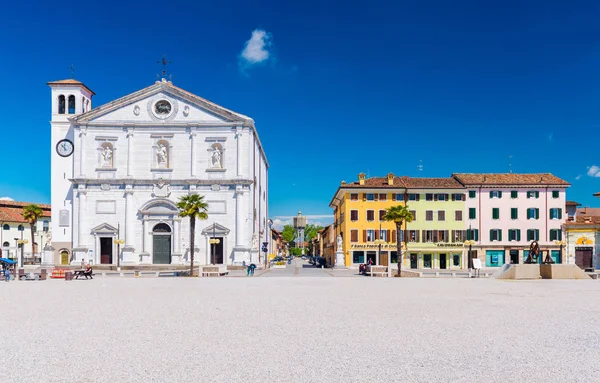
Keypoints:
pixel 118 171
pixel 14 229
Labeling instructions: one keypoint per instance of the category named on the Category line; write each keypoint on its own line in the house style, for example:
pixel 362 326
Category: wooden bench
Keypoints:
pixel 375 270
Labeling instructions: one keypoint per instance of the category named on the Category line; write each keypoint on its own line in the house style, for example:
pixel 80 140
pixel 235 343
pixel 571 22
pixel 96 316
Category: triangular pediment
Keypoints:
pixel 215 229
pixel 104 228
pixel 164 104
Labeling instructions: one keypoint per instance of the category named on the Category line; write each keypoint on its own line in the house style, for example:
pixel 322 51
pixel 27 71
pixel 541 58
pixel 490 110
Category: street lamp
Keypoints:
pixel 470 243
pixel 561 243
pixel 118 242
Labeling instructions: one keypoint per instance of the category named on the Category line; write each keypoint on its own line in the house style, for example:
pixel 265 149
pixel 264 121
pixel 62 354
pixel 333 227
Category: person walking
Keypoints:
pixel 6 274
pixel 252 267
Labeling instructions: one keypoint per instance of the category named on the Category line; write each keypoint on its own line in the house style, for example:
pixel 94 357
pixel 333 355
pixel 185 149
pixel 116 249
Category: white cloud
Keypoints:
pixel 256 49
pixel 593 171
pixel 6 199
pixel 578 177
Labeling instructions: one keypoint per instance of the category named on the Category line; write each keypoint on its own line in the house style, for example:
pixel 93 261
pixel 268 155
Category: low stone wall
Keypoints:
pixel 406 273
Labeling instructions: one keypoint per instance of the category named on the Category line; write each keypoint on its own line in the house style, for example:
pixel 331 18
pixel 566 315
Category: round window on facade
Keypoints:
pixel 162 108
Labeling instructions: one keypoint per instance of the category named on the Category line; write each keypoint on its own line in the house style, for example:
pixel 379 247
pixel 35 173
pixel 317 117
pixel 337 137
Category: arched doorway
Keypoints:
pixel 161 244
pixel 64 257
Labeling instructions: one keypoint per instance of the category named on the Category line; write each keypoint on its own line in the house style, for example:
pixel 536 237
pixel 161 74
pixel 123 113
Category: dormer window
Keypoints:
pixel 61 104
pixel 71 104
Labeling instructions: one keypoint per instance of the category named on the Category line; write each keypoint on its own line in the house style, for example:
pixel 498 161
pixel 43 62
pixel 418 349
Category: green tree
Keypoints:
pixel 310 231
pixel 288 233
pixel 399 215
pixel 31 213
pixel 192 206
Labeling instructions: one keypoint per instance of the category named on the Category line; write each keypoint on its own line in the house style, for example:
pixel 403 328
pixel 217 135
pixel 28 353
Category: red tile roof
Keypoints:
pixel 584 220
pixel 12 211
pixel 509 179
pixel 406 182
pixel 572 203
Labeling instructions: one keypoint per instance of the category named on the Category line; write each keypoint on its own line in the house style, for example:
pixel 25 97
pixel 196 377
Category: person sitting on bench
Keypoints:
pixel 88 271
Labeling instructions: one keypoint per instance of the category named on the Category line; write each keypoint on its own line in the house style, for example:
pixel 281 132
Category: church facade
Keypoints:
pixel 118 171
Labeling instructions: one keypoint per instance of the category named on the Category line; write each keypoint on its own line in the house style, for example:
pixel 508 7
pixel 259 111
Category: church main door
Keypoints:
pixel 161 244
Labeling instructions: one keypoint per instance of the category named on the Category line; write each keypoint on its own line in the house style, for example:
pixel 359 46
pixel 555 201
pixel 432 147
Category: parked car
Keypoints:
pixel 311 260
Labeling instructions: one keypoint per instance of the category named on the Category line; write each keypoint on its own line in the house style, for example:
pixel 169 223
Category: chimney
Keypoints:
pixel 390 179
pixel 361 178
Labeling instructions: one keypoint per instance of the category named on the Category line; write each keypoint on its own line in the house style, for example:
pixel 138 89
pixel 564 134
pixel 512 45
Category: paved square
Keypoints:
pixel 309 329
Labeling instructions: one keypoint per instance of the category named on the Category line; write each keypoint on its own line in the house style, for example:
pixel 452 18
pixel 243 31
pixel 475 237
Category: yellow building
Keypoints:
pixel 358 211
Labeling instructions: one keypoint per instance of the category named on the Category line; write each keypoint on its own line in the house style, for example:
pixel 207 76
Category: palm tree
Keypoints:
pixel 31 213
pixel 398 214
pixel 192 206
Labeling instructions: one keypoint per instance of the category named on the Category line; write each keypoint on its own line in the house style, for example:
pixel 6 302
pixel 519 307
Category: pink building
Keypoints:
pixel 507 212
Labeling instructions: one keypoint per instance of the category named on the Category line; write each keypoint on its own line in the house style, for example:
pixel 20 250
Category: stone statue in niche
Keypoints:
pixel 216 158
pixel 107 156
pixel 161 155
pixel 339 243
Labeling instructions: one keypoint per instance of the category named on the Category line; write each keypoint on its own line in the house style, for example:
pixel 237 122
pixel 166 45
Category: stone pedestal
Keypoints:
pixel 48 256
pixel 339 260
pixel 557 271
pixel 129 256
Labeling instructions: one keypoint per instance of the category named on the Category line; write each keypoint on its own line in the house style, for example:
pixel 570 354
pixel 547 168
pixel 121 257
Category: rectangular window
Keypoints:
pixel 414 214
pixel 514 213
pixel 533 213
pixel 458 215
pixel 354 197
pixel 533 194
pixel 495 194
pixel 473 234
pixel 554 193
pixel 381 214
pixel 429 215
pixel 441 215
pixel 458 197
pixel 442 197
pixel 399 197
pixel 413 197
pixel 383 235
pixel 514 235
pixel 383 197
pixel 496 235
pixel 353 215
pixel 370 215
pixel 495 213
pixel 472 193
pixel 428 235
pixel 472 213
pixel 555 235
pixel 353 235
pixel 358 257
pixel 533 235
pixel 459 235
pixel 370 235
pixel 429 197
pixel 514 194
pixel 442 236
pixel 556 213
pixel 370 197
pixel 412 236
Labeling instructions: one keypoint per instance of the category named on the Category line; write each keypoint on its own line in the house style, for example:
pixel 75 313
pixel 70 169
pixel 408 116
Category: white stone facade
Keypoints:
pixel 134 158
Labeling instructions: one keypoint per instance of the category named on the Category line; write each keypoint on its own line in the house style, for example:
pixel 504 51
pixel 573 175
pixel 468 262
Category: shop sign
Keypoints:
pixel 372 246
pixel 443 244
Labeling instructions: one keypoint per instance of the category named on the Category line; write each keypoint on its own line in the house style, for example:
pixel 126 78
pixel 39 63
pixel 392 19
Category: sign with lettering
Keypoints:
pixel 443 244
pixel 372 246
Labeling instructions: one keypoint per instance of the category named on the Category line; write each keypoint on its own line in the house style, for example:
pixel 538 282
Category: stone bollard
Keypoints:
pixel 453 275
pixel 485 275
pixel 437 273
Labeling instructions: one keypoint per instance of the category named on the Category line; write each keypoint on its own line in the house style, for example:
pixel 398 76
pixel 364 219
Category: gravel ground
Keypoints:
pixel 290 329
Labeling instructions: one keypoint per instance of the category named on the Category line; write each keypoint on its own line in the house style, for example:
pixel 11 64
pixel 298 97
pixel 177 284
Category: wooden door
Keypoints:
pixel 443 261
pixel 162 249
pixel 583 257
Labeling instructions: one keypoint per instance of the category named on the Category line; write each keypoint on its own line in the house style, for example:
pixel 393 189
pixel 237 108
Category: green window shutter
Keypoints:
pixel 500 194
pixel 514 213
pixel 560 213
pixel 491 234
pixel 477 234
pixel 537 213
pixel 554 193
pixel 537 235
pixel 559 235
pixel 513 194
pixel 491 192
pixel 537 194
pixel 499 234
pixel 518 234
pixel 471 193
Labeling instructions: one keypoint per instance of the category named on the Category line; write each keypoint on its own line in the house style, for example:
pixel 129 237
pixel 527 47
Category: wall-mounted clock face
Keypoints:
pixel 64 148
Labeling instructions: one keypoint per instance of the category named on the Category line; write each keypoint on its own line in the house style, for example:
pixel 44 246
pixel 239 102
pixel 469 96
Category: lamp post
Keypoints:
pixel 469 243
pixel 118 242
pixel 561 243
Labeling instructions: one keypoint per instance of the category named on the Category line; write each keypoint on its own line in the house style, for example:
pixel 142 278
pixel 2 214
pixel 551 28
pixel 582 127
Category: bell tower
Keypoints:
pixel 68 99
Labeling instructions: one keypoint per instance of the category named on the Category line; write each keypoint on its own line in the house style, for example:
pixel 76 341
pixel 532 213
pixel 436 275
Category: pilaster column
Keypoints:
pixel 129 240
pixel 177 236
pixel 129 150
pixel 145 243
pixel 82 134
pixel 193 152
pixel 239 218
pixel 238 135
pixel 81 209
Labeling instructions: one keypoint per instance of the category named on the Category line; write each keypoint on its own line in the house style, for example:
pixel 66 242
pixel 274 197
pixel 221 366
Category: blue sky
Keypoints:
pixel 338 87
